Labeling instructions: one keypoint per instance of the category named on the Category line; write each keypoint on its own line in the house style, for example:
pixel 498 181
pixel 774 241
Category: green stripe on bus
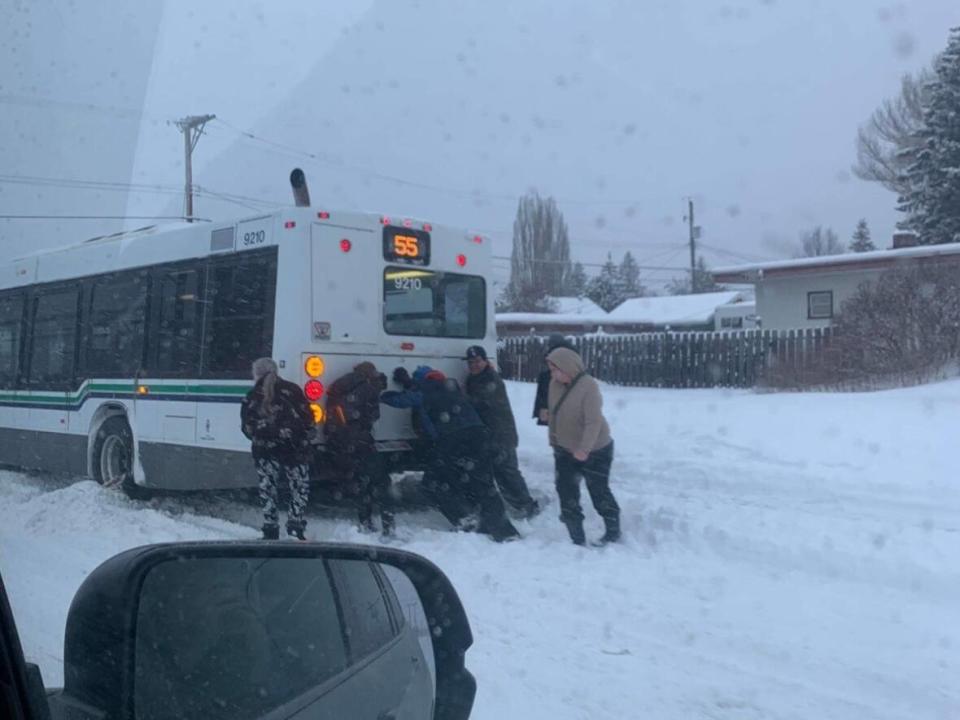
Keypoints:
pixel 41 396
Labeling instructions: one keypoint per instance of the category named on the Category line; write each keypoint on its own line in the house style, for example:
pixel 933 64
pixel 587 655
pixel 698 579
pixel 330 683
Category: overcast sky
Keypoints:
pixel 448 111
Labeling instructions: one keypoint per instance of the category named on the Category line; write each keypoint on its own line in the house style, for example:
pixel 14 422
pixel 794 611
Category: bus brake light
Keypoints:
pixel 346 245
pixel 289 224
pixel 462 260
pixel 313 390
pixel 323 215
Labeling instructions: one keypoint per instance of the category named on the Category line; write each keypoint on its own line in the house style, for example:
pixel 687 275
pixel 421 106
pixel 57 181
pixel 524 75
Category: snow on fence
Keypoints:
pixel 679 359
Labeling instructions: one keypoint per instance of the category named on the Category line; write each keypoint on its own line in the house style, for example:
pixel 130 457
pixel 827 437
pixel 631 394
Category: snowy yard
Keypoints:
pixel 786 556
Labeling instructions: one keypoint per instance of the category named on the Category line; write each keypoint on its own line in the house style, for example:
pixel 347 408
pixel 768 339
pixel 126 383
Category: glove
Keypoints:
pixel 382 379
pixel 402 377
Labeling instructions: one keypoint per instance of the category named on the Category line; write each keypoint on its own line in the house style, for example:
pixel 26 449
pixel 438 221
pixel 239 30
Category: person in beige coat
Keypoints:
pixel 582 445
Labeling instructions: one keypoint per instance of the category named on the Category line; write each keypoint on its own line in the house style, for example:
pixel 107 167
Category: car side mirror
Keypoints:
pixel 254 629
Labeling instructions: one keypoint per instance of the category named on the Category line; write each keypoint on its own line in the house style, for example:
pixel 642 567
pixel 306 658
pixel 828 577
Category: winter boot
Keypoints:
pixel 612 535
pixel 577 535
pixel 271 532
pixel 387 524
pixel 295 530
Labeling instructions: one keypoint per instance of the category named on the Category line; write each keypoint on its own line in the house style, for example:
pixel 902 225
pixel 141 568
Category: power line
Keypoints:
pixel 735 255
pixel 588 264
pixel 98 217
pixel 134 188
pixel 323 159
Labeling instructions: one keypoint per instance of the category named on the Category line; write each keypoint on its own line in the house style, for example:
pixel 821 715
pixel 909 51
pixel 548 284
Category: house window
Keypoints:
pixel 820 305
pixel 731 323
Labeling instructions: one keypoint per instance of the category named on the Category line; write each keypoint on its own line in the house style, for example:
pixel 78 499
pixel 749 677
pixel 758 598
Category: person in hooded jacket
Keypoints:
pixel 276 418
pixel 458 472
pixel 488 394
pixel 582 445
pixel 353 406
pixel 540 402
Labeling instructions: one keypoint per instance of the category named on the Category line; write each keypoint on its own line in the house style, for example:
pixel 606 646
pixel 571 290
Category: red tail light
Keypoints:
pixel 313 390
pixel 384 220
pixel 289 224
pixel 478 239
pixel 462 260
pixel 323 215
pixel 406 346
pixel 346 245
pixel 428 227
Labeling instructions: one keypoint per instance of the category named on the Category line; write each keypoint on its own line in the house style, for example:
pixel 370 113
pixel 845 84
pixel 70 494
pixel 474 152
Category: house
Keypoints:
pixel 678 312
pixel 570 315
pixel 705 311
pixel 808 293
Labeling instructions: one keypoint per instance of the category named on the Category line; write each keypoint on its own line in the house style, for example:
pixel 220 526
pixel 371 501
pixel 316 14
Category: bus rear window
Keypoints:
pixel 427 303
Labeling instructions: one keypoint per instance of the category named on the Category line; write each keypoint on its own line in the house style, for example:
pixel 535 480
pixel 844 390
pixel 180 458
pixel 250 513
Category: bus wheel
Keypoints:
pixel 113 457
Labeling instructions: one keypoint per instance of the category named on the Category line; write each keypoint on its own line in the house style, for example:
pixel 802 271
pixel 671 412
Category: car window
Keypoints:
pixel 202 652
pixel 368 623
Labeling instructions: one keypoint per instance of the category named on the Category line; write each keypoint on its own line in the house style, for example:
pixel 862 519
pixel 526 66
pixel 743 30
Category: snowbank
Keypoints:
pixel 787 556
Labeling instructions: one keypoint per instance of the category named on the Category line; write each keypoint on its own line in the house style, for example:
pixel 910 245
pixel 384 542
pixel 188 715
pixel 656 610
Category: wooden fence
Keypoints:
pixel 679 359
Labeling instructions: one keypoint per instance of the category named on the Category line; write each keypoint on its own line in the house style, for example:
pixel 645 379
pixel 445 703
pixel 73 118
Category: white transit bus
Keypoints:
pixel 125 358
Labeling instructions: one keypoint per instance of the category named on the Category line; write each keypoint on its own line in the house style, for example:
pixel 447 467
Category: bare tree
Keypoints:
pixel 540 262
pixel 888 141
pixel 819 242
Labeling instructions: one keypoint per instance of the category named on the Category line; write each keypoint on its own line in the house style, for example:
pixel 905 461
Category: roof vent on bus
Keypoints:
pixel 298 181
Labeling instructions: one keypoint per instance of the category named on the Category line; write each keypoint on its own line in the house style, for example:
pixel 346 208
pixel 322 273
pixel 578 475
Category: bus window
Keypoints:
pixel 11 328
pixel 239 325
pixel 427 303
pixel 115 323
pixel 54 335
pixel 177 335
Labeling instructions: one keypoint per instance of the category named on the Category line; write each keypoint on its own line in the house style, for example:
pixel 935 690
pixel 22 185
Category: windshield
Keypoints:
pixel 434 304
pixel 640 319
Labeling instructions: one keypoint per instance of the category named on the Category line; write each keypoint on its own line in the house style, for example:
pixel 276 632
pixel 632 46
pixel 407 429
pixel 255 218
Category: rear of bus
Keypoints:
pixel 397 293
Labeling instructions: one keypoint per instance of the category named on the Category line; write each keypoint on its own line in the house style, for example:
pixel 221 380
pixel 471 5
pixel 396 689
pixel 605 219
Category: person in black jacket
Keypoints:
pixel 458 473
pixel 276 417
pixel 540 404
pixel 353 406
pixel 488 394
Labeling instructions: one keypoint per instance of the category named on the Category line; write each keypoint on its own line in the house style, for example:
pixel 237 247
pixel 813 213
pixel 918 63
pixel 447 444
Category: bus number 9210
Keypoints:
pixel 408 283
pixel 256 237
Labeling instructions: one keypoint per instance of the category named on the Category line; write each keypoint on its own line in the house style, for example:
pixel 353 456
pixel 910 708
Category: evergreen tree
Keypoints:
pixel 628 276
pixel 577 282
pixel 540 261
pixel 861 238
pixel 604 289
pixel 932 202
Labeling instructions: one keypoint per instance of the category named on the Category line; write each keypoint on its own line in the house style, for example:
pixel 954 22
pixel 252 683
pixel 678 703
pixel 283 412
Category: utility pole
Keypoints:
pixel 191 127
pixel 694 234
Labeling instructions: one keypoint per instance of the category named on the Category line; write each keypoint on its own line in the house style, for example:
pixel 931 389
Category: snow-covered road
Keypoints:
pixel 786 556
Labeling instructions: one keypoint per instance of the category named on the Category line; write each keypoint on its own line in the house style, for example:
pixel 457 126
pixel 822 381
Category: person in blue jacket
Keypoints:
pixel 458 474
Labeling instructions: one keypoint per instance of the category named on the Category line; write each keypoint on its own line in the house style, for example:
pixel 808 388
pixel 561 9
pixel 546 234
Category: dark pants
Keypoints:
pixel 461 482
pixel 509 479
pixel 373 484
pixel 595 470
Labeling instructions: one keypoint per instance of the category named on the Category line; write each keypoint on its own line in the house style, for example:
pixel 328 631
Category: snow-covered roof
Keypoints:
pixel 533 318
pixel 674 309
pixel 575 306
pixel 874 257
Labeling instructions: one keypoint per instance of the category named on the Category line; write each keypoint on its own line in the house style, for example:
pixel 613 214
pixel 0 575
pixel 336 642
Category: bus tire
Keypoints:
pixel 113 457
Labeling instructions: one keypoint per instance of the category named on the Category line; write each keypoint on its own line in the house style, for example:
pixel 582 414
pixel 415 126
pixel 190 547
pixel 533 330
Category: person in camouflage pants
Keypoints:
pixel 276 417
